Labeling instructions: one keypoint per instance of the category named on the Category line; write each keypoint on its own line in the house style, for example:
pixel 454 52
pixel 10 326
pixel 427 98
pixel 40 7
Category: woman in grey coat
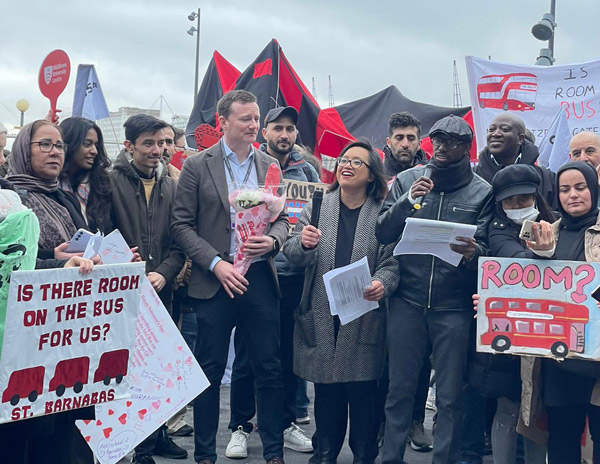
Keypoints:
pixel 343 361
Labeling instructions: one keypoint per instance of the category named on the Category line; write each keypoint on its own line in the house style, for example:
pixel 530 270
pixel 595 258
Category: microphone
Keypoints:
pixel 317 199
pixel 429 168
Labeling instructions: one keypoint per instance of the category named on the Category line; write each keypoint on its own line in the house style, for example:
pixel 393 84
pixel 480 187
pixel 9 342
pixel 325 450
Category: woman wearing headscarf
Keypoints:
pixel 37 158
pixel 343 361
pixel 568 388
pixel 515 189
pixel 85 172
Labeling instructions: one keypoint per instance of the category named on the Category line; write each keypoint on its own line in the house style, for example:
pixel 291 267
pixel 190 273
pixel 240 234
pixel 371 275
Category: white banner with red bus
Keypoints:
pixel 535 94
pixel 67 339
pixel 538 307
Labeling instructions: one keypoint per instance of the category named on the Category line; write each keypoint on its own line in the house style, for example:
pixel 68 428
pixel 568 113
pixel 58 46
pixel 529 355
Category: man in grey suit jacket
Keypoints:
pixel 202 225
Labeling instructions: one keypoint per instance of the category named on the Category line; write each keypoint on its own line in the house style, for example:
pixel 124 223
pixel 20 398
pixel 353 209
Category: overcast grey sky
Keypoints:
pixel 141 49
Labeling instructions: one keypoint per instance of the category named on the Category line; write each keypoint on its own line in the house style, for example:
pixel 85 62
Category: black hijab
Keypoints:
pixel 571 239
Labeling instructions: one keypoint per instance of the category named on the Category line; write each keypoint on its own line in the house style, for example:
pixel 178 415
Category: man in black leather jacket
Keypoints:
pixel 432 307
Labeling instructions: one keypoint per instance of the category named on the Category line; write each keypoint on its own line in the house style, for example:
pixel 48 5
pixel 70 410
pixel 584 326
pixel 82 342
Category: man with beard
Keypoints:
pixel 280 134
pixel 403 145
pixel 432 307
pixel 506 145
pixel 403 151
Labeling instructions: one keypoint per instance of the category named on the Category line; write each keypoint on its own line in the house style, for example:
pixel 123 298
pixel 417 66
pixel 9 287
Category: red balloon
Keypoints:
pixel 54 76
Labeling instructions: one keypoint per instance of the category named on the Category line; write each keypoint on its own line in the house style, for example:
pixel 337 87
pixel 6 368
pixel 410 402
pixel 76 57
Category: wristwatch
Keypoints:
pixel 275 244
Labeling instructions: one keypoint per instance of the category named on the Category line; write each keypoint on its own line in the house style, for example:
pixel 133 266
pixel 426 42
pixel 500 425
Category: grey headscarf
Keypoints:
pixel 56 225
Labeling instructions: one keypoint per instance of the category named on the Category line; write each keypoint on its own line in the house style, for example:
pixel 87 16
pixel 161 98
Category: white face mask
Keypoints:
pixel 522 214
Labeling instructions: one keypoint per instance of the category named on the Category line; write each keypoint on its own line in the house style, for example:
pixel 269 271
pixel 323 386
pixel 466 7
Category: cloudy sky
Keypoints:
pixel 141 49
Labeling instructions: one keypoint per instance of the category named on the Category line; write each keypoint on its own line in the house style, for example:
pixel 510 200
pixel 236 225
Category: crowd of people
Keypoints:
pixel 372 372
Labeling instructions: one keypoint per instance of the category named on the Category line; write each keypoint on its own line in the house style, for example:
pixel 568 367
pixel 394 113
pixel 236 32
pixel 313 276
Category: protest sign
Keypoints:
pixel 164 376
pixel 298 194
pixel 538 307
pixel 54 76
pixel 67 339
pixel 535 94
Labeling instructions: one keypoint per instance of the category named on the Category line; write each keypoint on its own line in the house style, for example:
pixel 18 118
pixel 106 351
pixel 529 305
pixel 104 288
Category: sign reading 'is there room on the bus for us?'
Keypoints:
pixel 538 307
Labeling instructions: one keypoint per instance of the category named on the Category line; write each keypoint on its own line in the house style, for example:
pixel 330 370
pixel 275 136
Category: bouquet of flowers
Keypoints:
pixel 254 210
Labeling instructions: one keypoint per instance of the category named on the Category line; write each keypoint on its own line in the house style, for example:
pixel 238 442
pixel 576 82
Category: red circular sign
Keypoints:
pixel 54 75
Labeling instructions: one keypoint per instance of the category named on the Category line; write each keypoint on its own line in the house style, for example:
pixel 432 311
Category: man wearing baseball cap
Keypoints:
pixel 432 307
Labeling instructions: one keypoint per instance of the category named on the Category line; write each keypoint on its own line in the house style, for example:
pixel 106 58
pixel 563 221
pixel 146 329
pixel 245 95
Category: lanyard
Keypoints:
pixel 233 179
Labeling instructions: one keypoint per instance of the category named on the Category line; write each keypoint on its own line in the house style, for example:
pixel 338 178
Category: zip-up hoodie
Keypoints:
pixel 146 224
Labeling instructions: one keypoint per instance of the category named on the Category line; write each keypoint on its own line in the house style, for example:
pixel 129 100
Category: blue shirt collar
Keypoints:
pixel 229 153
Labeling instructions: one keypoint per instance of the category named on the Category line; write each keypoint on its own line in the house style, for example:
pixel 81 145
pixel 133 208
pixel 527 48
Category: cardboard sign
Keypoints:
pixel 538 307
pixel 298 195
pixel 164 377
pixel 68 339
pixel 54 76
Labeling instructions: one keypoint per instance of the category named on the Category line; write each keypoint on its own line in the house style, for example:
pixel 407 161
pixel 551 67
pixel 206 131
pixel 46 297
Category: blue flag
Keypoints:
pixel 89 101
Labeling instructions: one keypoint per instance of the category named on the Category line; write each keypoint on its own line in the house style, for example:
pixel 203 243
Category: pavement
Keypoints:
pixel 255 447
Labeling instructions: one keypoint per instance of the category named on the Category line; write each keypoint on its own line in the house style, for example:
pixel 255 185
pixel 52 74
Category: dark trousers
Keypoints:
pixel 256 316
pixel 473 435
pixel 242 400
pixel 565 427
pixel 412 331
pixel 332 403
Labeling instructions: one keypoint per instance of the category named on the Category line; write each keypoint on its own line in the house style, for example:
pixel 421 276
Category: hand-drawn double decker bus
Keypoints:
pixel 553 325
pixel 515 91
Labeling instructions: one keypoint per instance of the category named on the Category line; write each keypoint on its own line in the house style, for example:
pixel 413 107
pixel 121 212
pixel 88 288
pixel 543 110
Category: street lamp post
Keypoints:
pixel 22 106
pixel 195 16
pixel 544 30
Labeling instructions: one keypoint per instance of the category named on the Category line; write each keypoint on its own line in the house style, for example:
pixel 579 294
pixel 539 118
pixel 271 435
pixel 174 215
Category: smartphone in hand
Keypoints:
pixel 527 231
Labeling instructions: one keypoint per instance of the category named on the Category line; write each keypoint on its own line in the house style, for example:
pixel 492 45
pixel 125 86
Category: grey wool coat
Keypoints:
pixel 358 354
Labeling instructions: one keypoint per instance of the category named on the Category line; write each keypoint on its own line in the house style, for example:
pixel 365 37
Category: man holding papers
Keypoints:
pixel 431 307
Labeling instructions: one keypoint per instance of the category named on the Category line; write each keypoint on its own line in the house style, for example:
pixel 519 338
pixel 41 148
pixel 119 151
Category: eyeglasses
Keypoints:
pixel 46 146
pixel 448 142
pixel 355 163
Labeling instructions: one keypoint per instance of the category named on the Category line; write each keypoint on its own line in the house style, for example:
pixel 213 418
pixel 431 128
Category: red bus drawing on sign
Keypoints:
pixel 553 325
pixel 515 91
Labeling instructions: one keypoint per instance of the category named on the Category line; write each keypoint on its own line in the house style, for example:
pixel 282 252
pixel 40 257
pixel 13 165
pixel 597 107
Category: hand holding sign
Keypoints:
pixel 53 78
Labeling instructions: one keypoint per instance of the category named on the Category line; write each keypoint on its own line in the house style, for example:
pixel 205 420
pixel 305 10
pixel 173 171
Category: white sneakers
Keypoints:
pixel 294 438
pixel 238 445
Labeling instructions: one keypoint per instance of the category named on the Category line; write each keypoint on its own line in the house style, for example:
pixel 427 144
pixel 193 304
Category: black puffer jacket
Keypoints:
pixel 425 280
pixel 487 168
pixel 146 225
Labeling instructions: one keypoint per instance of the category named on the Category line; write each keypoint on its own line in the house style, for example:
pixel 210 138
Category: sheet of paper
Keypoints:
pixel 93 245
pixel 345 287
pixel 429 237
pixel 164 377
pixel 114 249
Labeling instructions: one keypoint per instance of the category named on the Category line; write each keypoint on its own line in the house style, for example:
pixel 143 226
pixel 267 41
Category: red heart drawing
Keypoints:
pixel 107 431
pixel 180 348
pixel 88 438
pixel 170 383
pixel 156 404
pixel 168 400
pixel 123 418
pixel 98 422
pixel 128 403
pixel 179 378
pixel 168 368
pixel 87 421
pixel 142 413
pixel 110 412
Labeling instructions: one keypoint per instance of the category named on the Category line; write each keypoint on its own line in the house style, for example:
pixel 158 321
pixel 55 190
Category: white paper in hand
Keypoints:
pixel 345 287
pixel 114 249
pixel 93 245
